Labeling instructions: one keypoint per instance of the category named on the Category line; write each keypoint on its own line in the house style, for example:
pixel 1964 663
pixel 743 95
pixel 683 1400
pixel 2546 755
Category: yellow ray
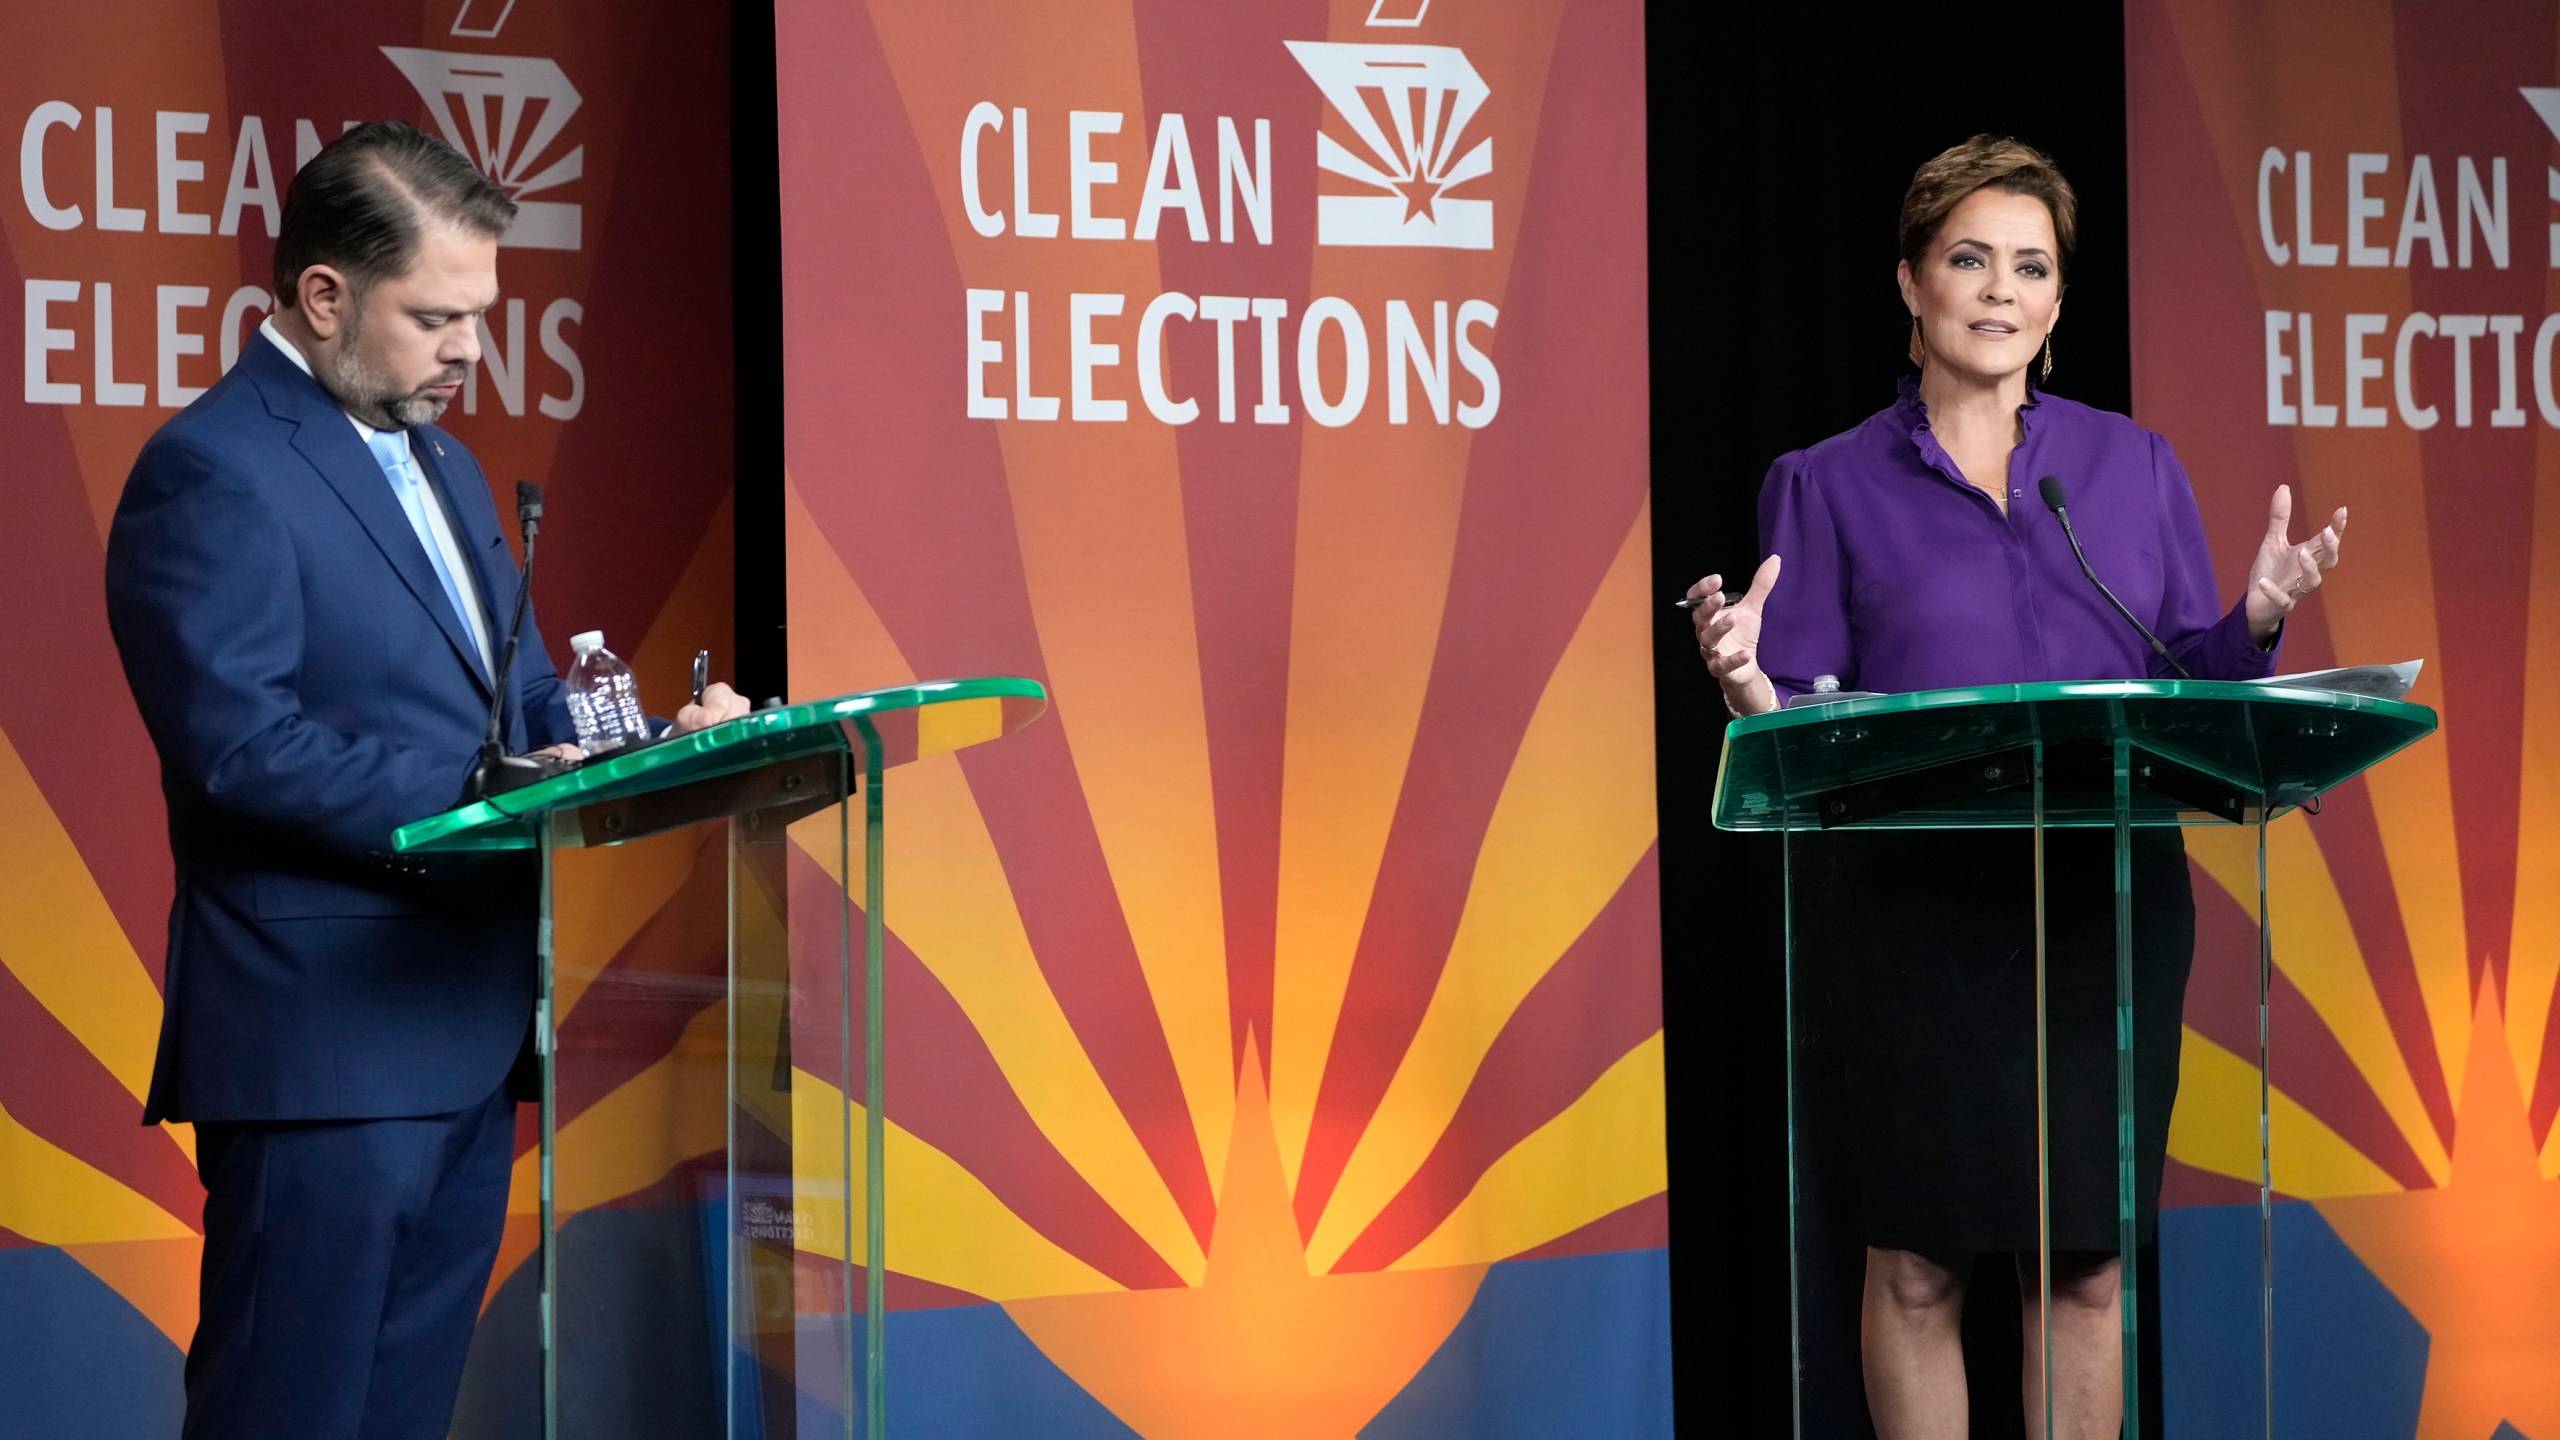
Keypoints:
pixel 2331 68
pixel 54 1197
pixel 1372 582
pixel 629 1139
pixel 1602 1154
pixel 1575 815
pixel 2215 1128
pixel 2533 945
pixel 1378 509
pixel 1098 517
pixel 951 903
pixel 63 942
pixel 944 1224
pixel 2315 947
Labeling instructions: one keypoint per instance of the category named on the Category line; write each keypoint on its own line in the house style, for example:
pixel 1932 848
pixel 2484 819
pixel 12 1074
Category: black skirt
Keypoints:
pixel 1916 952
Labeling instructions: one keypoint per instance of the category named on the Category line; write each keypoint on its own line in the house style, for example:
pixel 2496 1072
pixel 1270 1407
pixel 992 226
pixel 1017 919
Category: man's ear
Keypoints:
pixel 326 299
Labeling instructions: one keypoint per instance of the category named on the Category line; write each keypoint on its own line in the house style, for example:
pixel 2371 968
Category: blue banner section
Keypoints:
pixel 1579 1345
pixel 75 1359
pixel 2350 1362
pixel 1569 1346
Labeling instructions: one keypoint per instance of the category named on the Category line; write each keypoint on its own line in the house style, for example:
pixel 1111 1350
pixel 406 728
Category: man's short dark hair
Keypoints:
pixel 358 206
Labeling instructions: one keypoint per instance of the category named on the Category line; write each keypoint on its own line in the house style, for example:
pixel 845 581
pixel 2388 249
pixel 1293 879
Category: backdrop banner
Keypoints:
pixel 2345 277
pixel 153 142
pixel 1275 1030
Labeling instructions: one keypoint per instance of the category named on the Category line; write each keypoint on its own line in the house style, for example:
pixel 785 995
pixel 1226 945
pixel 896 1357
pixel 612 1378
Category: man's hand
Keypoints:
pixel 719 703
pixel 564 752
pixel 2285 573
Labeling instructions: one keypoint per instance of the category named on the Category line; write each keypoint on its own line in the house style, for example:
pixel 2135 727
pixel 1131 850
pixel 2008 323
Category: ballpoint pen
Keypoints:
pixel 701 673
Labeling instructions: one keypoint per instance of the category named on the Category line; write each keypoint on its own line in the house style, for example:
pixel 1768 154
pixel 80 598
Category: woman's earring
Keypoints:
pixel 1917 350
pixel 2047 377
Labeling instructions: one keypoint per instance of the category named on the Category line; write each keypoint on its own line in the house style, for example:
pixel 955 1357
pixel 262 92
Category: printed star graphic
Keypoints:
pixel 1260 1348
pixel 2477 1261
pixel 1418 194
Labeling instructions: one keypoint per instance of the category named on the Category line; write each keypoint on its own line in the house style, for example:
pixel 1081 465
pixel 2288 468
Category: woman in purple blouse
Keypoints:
pixel 1917 554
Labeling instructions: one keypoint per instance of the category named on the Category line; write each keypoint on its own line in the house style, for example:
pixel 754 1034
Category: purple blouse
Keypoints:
pixel 1900 576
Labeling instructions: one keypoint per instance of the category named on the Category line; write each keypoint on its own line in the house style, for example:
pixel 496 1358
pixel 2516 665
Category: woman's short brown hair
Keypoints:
pixel 1945 179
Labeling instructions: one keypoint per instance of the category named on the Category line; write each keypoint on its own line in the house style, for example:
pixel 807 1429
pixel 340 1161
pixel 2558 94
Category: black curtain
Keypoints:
pixel 1780 139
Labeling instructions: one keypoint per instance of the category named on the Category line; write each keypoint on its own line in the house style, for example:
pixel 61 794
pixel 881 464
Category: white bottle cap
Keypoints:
pixel 585 641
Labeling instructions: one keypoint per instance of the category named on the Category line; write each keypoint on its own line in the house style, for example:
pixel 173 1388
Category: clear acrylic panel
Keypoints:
pixel 2093 787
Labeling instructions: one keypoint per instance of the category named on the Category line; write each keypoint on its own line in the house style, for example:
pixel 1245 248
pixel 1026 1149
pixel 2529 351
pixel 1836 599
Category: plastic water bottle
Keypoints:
pixel 604 701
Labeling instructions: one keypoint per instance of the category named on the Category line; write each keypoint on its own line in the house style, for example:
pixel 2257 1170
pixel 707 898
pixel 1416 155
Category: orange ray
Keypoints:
pixel 1378 509
pixel 952 905
pixel 1099 517
pixel 156 1277
pixel 1261 1348
pixel 2316 948
pixel 600 900
pixel 1575 815
pixel 2533 946
pixel 2328 70
pixel 63 942
pixel 2477 1261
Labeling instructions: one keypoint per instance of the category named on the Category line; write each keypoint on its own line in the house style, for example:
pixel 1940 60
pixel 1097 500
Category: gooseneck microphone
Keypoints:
pixel 495 771
pixel 2050 487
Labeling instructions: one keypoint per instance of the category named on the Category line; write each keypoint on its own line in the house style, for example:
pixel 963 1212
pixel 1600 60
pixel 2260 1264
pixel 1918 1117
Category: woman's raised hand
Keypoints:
pixel 2284 573
pixel 1729 639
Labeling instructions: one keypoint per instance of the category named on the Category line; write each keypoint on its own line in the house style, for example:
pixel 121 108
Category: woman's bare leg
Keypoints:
pixel 1912 1336
pixel 2088 1347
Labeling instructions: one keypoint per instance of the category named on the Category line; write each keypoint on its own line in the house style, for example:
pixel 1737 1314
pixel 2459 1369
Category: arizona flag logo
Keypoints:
pixel 483 104
pixel 1408 105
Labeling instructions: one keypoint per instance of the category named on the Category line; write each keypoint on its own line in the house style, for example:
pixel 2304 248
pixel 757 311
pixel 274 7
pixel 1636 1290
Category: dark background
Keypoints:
pixel 1781 137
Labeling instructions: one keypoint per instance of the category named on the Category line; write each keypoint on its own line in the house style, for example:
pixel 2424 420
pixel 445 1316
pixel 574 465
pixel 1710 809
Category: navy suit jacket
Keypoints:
pixel 310 690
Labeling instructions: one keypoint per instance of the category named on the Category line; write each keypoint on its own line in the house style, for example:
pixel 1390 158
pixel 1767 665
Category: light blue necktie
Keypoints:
pixel 391 451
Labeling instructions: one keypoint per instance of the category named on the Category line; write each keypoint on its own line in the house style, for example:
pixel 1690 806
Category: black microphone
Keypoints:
pixel 2051 488
pixel 496 772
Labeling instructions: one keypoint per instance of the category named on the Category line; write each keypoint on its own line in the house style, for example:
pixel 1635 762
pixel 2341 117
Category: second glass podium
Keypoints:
pixel 2047 765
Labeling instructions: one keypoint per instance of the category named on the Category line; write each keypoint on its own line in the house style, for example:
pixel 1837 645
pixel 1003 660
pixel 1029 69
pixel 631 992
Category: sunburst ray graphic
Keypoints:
pixel 2414 1077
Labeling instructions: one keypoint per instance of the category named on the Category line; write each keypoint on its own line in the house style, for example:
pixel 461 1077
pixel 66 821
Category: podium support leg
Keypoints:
pixel 2266 1159
pixel 2044 1124
pixel 875 1131
pixel 1795 1159
pixel 546 1048
pixel 2128 1189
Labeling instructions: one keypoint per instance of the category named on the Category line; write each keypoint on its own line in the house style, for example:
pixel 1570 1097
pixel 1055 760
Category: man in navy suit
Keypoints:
pixel 305 580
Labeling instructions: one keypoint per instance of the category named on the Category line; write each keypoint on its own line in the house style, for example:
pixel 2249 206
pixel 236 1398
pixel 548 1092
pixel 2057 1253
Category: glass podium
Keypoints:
pixel 762 1095
pixel 2116 756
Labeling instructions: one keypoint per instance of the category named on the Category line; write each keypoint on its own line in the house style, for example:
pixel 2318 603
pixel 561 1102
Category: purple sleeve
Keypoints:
pixel 2208 640
pixel 1804 630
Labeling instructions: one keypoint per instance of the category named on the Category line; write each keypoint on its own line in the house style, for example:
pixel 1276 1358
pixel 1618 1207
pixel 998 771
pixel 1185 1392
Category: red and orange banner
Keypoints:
pixel 1270 382
pixel 153 142
pixel 2344 266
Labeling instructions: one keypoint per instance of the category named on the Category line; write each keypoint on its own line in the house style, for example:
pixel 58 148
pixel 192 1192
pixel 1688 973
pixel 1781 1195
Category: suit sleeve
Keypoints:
pixel 2211 642
pixel 205 599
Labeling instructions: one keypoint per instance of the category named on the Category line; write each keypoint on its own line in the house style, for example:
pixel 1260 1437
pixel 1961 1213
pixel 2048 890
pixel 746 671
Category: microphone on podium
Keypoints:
pixel 495 771
pixel 2050 487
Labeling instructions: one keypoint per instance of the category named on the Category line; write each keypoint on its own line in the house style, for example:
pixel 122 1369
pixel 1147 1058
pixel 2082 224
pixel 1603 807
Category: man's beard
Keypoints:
pixel 372 395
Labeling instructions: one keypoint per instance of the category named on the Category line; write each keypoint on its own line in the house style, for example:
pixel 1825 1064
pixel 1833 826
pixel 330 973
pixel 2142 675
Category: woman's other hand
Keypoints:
pixel 1729 639
pixel 2284 574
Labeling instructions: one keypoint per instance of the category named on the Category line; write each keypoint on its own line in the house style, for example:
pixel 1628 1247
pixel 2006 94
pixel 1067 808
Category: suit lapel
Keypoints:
pixel 324 437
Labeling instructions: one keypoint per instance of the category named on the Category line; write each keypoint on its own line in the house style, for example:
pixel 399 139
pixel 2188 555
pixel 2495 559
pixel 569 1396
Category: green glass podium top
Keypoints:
pixel 2203 752
pixel 893 726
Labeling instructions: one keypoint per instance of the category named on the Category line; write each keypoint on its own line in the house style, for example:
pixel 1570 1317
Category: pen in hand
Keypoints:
pixel 1692 602
pixel 701 673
